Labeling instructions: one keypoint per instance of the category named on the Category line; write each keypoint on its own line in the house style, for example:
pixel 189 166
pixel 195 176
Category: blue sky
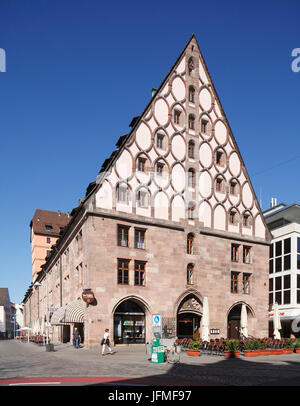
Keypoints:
pixel 78 71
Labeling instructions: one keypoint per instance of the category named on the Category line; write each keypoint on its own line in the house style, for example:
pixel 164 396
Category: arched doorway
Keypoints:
pixel 189 317
pixel 129 323
pixel 234 320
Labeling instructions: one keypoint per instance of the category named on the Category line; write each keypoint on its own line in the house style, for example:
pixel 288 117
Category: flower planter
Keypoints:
pixel 250 353
pixel 265 352
pixel 288 350
pixel 277 352
pixel 232 354
pixel 298 350
pixel 193 353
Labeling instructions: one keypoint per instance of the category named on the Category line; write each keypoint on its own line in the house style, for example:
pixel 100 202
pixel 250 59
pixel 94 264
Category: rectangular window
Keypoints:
pixel 234 282
pixel 271 262
pixel 278 248
pixel 298 261
pixel 48 240
pixel 122 194
pixel 190 272
pixel 220 158
pixel 139 238
pixel 286 262
pixel 246 254
pixel 298 244
pixel 287 297
pixel 48 227
pixel 139 273
pixel 271 251
pixel 298 296
pixel 219 185
pixel 235 253
pixel 278 297
pixel 278 264
pixel 123 271
pixel 270 298
pixel 123 232
pixel 233 188
pixel 204 126
pixel 271 288
pixel 246 283
pixel 142 199
pixel 278 283
pixel 287 246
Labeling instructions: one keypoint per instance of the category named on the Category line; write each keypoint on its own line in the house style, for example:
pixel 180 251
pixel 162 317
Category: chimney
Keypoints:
pixel 273 202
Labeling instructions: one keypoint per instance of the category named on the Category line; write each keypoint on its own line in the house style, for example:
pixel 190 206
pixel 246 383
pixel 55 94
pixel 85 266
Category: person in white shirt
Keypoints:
pixel 105 341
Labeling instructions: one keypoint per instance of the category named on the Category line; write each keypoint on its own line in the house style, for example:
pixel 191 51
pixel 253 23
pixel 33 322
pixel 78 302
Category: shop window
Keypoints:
pixel 123 234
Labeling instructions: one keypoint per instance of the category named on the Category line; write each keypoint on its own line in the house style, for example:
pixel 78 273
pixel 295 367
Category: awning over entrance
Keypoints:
pixel 71 313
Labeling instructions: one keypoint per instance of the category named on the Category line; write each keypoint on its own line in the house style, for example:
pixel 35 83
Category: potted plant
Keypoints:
pixel 256 346
pixel 194 348
pixel 276 350
pixel 249 349
pixel 232 349
pixel 297 346
pixel 288 346
pixel 264 350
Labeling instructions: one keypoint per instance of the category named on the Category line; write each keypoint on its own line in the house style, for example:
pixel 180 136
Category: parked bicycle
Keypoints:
pixel 173 354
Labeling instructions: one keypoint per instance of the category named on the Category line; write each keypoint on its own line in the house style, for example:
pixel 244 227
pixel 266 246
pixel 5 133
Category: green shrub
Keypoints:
pixel 195 345
pixel 249 345
pixel 289 343
pixel 298 343
pixel 232 345
pixel 256 344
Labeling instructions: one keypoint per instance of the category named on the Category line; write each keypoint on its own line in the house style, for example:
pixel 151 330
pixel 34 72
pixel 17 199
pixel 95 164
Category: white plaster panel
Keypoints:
pixel 205 99
pixel 220 132
pixel 181 66
pixel 178 208
pixel 161 111
pixel 143 136
pixel 234 164
pixel 247 195
pixel 205 184
pixel 219 218
pixel 178 177
pixel 104 196
pixel 259 227
pixel 205 155
pixel 178 147
pixel 161 205
pixel 178 88
pixel 124 165
pixel 205 214
pixel 202 73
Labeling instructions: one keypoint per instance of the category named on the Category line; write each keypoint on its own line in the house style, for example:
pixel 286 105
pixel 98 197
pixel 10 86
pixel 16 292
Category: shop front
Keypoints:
pixel 129 323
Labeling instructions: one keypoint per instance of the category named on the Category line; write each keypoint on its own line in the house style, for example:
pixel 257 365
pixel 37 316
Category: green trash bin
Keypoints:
pixel 157 352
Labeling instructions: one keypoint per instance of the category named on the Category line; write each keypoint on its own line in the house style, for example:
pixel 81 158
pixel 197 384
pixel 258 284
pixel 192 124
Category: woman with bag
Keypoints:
pixel 105 341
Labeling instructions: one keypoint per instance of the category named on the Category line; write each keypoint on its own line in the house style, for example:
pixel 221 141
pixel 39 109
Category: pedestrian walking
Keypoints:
pixel 105 342
pixel 76 338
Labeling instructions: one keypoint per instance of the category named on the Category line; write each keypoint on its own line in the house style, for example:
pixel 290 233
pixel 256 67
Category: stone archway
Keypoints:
pixel 129 317
pixel 234 318
pixel 189 313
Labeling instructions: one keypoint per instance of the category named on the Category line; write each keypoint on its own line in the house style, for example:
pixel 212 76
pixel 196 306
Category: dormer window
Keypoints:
pixel 48 227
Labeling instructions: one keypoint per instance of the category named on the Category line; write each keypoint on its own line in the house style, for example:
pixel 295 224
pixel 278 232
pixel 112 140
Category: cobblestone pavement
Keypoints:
pixel 129 365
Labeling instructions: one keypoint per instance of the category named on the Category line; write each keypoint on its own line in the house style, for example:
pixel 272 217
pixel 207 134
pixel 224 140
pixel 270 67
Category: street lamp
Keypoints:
pixel 37 284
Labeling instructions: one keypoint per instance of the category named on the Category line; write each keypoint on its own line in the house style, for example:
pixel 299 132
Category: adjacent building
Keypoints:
pixel 45 228
pixel 283 222
pixel 171 218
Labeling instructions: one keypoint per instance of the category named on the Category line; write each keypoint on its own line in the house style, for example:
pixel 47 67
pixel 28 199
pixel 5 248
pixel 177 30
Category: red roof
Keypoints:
pixel 47 222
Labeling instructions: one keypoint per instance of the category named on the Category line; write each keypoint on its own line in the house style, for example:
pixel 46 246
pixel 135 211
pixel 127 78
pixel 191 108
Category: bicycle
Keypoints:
pixel 173 354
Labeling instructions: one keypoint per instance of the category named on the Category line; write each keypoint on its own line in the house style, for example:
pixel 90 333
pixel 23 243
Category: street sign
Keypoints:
pixel 88 296
pixel 157 325
pixel 156 320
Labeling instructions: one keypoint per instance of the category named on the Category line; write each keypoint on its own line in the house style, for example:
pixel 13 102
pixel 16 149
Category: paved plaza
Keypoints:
pixel 28 362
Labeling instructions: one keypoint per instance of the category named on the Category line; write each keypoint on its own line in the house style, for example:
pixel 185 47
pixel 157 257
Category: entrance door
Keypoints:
pixel 188 325
pixel 233 329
